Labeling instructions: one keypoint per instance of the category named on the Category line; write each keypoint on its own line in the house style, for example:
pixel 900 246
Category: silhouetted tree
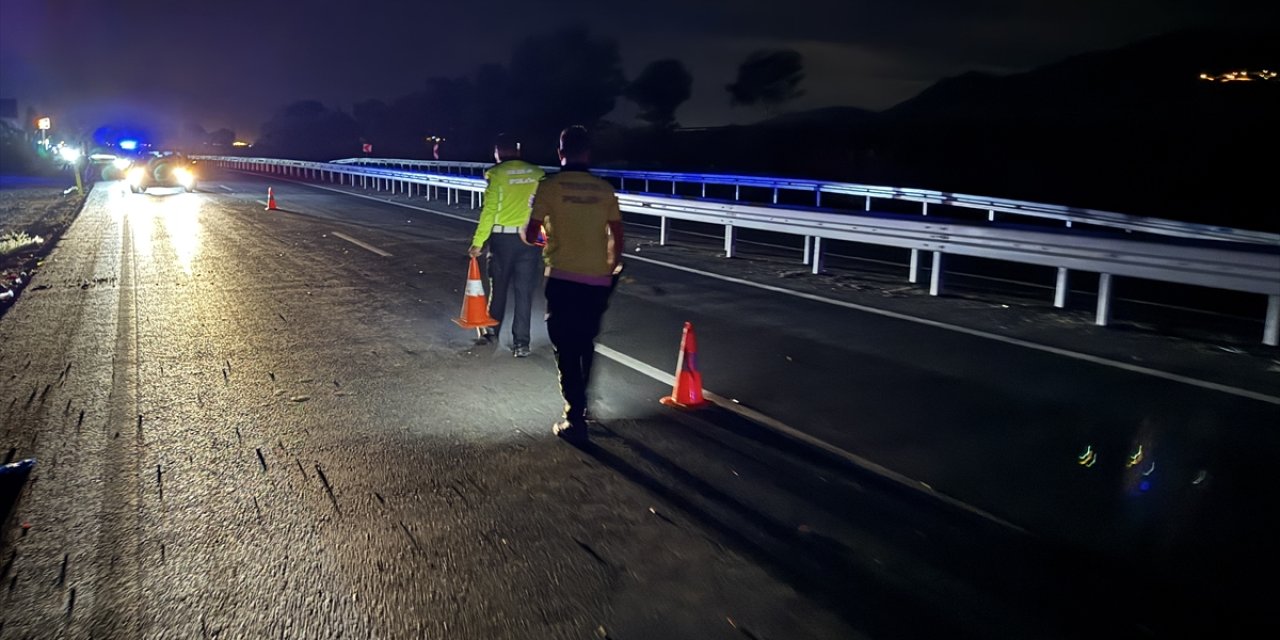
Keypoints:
pixel 494 106
pixel 566 77
pixel 449 104
pixel 222 138
pixel 769 78
pixel 309 130
pixel 194 136
pixel 659 90
pixel 377 123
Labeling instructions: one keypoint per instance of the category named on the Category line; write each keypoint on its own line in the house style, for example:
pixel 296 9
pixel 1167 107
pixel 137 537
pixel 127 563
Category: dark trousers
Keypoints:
pixel 517 267
pixel 574 311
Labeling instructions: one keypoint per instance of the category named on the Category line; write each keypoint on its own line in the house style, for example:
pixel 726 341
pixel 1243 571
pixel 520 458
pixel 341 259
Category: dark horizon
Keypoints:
pixel 233 66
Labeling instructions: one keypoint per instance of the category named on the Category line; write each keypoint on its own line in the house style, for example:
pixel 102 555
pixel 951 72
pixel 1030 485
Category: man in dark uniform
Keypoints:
pixel 583 225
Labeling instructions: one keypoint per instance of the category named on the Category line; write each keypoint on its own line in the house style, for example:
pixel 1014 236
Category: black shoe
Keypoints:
pixel 574 433
pixel 521 351
pixel 486 336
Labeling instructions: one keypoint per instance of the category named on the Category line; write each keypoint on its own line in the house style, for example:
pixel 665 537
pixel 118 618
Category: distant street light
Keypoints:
pixel 43 125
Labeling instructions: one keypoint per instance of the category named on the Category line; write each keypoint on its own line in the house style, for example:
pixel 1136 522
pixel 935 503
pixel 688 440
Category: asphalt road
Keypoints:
pixel 265 424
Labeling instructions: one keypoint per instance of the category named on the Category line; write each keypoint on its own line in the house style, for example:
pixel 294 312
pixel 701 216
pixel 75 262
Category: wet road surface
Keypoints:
pixel 255 424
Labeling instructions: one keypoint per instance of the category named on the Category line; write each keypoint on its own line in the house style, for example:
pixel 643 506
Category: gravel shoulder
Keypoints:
pixel 33 215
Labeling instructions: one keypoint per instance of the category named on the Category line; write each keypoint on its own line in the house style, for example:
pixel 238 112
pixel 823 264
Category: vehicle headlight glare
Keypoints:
pixel 136 175
pixel 121 163
pixel 184 177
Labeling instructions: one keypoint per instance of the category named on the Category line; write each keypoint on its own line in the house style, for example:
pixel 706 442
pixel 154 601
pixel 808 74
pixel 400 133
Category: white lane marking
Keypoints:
pixel 361 243
pixel 1106 362
pixel 226 188
pixel 790 432
pixel 261 202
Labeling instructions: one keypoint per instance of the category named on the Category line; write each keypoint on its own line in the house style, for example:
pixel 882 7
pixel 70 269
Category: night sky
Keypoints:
pixel 231 63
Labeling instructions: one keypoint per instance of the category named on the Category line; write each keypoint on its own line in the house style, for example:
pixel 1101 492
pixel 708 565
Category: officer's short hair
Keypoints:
pixel 506 143
pixel 575 140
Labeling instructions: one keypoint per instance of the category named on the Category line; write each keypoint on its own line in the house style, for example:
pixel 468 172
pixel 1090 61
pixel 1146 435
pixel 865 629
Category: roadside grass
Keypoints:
pixel 14 242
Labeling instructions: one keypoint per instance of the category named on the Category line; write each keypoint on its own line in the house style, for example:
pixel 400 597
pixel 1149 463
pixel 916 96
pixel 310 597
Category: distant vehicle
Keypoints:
pixel 161 169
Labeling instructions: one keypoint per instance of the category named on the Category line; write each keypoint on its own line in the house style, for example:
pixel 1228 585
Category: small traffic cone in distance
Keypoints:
pixel 271 200
pixel 475 309
pixel 687 392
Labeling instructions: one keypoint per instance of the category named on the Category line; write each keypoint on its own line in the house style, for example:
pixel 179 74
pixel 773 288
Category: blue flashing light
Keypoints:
pixel 129 145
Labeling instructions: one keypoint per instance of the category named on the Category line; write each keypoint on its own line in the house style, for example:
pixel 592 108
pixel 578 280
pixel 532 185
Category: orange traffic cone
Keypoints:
pixel 475 311
pixel 271 200
pixel 687 393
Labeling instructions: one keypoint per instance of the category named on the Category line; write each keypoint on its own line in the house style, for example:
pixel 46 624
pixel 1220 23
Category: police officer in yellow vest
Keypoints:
pixel 513 265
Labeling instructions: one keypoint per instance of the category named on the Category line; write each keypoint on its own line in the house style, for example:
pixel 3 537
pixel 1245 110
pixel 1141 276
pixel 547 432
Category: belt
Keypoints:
pixel 497 228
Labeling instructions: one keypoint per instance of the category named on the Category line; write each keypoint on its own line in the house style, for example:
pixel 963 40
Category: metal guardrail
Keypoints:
pixel 1068 215
pixel 1249 267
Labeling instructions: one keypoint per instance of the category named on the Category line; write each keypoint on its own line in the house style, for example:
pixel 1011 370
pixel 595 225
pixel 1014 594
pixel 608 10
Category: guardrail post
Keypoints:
pixel 913 273
pixel 868 207
pixel 1060 289
pixel 808 249
pixel 663 226
pixel 704 189
pixel 1104 300
pixel 935 275
pixel 991 215
pixel 737 191
pixel 775 195
pixel 1271 328
pixel 817 197
pixel 730 234
pixel 924 210
pixel 673 187
pixel 646 185
pixel 473 199
pixel 817 256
